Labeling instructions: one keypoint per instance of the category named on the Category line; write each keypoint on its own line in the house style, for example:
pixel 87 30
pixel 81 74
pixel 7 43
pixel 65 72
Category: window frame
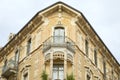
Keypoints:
pixel 16 56
pixel 87 47
pixel 25 76
pixel 59 36
pixel 29 45
pixel 95 57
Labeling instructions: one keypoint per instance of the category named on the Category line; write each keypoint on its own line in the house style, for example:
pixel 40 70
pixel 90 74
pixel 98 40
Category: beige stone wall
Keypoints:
pixel 82 65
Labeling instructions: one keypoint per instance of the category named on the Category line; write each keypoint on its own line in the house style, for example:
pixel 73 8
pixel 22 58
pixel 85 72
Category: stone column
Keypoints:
pixel 73 64
pixel 51 65
pixel 65 65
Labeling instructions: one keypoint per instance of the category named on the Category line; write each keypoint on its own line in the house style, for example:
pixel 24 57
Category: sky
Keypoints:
pixel 103 15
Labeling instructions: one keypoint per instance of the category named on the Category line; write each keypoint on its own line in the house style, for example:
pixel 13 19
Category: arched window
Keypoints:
pixel 86 47
pixel 5 63
pixel 28 46
pixel 88 77
pixel 16 57
pixel 95 57
pixel 59 35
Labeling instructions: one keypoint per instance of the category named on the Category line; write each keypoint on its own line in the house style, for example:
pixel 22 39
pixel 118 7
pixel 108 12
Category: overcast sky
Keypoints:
pixel 103 15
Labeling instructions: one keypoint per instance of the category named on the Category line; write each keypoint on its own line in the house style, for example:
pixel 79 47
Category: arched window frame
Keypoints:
pixel 57 35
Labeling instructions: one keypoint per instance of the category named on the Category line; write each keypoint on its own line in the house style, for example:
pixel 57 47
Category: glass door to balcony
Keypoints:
pixel 58 72
pixel 59 35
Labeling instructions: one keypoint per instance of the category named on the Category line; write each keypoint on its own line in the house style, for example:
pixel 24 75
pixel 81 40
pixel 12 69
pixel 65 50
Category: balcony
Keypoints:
pixel 58 42
pixel 9 68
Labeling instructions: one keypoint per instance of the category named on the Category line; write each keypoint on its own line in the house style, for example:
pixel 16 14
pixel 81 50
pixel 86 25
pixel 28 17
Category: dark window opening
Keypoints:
pixel 95 57
pixel 28 46
pixel 86 47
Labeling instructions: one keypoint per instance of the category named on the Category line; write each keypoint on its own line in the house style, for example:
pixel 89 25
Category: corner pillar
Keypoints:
pixel 51 65
pixel 65 66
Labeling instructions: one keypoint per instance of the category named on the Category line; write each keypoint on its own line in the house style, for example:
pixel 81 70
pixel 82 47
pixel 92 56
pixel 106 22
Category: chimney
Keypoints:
pixel 11 35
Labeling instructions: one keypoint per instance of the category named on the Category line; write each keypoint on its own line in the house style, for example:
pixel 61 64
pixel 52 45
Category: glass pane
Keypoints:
pixel 62 32
pixel 55 73
pixel 59 35
pixel 61 75
pixel 28 46
pixel 58 72
pixel 26 77
pixel 56 32
pixel 17 56
pixel 61 68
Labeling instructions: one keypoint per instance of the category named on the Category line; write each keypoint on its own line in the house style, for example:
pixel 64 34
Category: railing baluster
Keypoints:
pixel 58 41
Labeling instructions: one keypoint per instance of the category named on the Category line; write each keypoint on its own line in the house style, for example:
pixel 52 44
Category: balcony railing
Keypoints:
pixel 58 41
pixel 9 68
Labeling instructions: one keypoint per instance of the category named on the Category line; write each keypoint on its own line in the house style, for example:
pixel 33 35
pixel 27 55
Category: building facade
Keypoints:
pixel 60 41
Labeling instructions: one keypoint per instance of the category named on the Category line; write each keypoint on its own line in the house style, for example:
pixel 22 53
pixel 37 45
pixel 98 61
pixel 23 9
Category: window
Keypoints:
pixel 95 57
pixel 25 76
pixel 79 38
pixel 88 77
pixel 25 72
pixel 16 57
pixel 59 35
pixel 28 46
pixel 5 63
pixel 104 69
pixel 58 72
pixel 86 47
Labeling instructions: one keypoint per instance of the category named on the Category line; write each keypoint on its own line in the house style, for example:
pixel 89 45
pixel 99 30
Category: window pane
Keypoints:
pixel 59 35
pixel 95 57
pixel 16 56
pixel 61 75
pixel 61 32
pixel 86 47
pixel 88 77
pixel 28 46
pixel 55 73
pixel 56 32
pixel 26 76
pixel 58 72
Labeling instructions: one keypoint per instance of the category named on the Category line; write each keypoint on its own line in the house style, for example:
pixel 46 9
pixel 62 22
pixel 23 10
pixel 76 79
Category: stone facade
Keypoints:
pixel 60 41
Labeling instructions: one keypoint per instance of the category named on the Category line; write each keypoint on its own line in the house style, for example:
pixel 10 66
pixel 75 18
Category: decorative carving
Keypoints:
pixel 47 57
pixel 58 55
pixel 69 57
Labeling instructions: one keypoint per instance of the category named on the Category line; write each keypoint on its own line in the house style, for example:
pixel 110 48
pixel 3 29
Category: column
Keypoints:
pixel 73 64
pixel 51 65
pixel 65 65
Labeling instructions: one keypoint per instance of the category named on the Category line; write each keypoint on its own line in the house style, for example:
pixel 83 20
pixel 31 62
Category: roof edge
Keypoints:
pixel 60 2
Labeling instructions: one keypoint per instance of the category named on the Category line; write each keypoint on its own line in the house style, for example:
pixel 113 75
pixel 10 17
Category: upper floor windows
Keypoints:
pixel 25 76
pixel 59 34
pixel 104 69
pixel 28 46
pixel 17 56
pixel 5 63
pixel 86 47
pixel 88 77
pixel 25 72
pixel 95 57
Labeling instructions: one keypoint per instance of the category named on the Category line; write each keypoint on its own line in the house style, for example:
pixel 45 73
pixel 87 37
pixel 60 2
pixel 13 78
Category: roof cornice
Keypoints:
pixel 38 17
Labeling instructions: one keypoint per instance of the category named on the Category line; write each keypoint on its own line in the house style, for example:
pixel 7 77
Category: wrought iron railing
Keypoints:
pixel 58 41
pixel 9 65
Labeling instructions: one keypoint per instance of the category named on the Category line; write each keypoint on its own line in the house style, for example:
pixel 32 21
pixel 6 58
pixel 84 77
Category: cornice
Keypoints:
pixel 59 7
pixel 89 31
pixel 30 26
